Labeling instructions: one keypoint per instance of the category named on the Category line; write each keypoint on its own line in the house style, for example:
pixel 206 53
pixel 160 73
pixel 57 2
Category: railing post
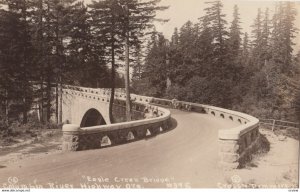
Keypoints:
pixel 273 125
pixel 70 137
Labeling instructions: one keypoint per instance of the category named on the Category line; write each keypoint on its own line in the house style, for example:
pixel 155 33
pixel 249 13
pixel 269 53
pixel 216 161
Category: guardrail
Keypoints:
pixel 236 144
pixel 273 123
pixel 76 138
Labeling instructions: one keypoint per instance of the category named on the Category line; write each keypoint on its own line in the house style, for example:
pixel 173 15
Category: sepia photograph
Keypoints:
pixel 149 94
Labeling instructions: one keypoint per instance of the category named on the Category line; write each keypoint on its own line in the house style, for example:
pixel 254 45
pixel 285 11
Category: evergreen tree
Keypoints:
pixel 175 38
pixel 218 25
pixel 16 57
pixel 265 38
pixel 222 69
pixel 138 63
pixel 257 29
pixel 215 19
pixel 187 48
pixel 58 27
pixel 106 27
pixel 155 70
pixel 235 34
pixel 257 40
pixel 235 58
pixel 205 49
pixel 296 86
pixel 280 66
pixel 138 17
pixel 282 36
pixel 245 48
pixel 85 51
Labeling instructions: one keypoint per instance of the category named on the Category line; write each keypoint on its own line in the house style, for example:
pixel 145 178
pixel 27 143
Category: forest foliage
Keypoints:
pixel 214 62
pixel 47 43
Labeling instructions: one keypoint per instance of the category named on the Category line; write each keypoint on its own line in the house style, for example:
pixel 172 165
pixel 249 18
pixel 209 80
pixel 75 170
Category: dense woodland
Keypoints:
pixel 47 43
pixel 214 62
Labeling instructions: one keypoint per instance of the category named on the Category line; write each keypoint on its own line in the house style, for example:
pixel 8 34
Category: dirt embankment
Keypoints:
pixel 277 168
pixel 29 144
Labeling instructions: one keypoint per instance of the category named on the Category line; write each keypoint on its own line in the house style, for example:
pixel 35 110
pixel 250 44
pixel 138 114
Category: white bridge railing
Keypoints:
pixel 236 144
pixel 76 138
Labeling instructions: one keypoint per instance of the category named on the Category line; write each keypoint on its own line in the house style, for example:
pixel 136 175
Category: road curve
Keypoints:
pixel 183 157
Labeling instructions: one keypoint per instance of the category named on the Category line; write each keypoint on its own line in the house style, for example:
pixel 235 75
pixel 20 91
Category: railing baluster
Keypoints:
pixel 273 125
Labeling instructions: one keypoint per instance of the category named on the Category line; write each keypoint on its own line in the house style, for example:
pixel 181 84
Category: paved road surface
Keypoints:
pixel 183 157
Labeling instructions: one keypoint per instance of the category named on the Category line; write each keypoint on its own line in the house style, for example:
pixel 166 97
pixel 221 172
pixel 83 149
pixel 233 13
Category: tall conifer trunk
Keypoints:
pixel 127 81
pixel 112 94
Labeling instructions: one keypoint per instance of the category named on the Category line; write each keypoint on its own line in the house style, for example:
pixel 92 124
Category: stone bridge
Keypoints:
pixel 181 145
pixel 85 107
pixel 86 111
pixel 88 107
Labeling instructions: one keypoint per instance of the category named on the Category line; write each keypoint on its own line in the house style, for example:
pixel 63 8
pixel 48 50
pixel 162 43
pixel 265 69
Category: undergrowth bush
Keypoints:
pixel 17 129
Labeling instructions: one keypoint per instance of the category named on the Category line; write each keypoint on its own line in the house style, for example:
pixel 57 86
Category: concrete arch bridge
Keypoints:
pixel 87 111
pixel 184 143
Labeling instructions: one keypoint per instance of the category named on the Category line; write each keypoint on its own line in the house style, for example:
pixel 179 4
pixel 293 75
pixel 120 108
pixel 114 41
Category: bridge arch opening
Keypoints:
pixel 92 118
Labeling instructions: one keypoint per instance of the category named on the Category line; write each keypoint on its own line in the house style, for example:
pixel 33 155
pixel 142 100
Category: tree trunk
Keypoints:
pixel 48 74
pixel 24 110
pixel 24 87
pixel 56 102
pixel 24 99
pixel 61 100
pixel 42 100
pixel 112 94
pixel 127 82
pixel 41 45
pixel 48 98
pixel 6 107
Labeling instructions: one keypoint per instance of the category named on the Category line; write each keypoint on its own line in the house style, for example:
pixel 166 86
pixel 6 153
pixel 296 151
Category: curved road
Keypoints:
pixel 183 157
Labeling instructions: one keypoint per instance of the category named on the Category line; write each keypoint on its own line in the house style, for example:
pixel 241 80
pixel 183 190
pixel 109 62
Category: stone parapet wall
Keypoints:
pixel 236 145
pixel 104 93
pixel 76 138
